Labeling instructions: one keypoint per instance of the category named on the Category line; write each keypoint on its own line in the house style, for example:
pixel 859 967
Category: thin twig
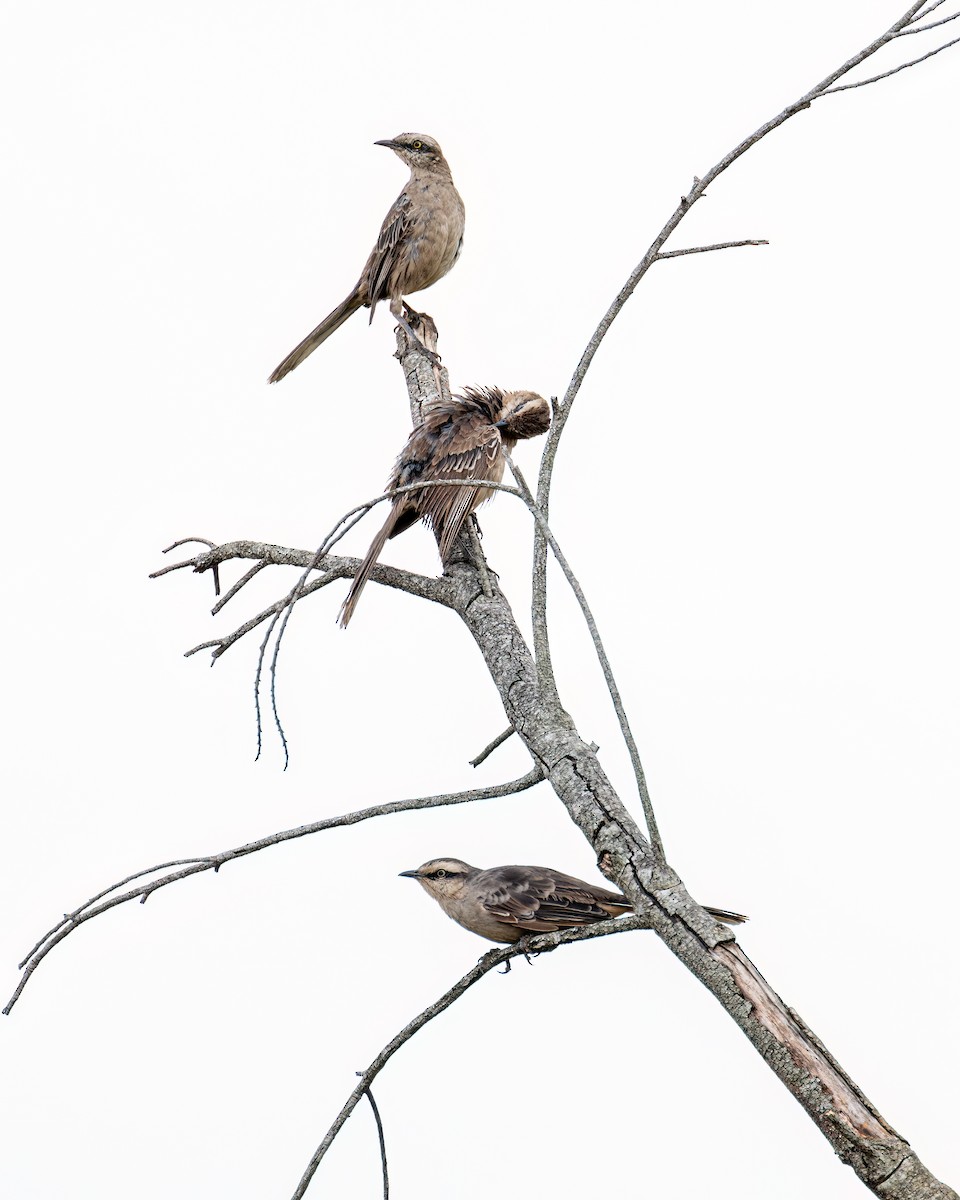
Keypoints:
pixel 203 542
pixel 931 25
pixel 488 750
pixel 220 645
pixel 715 246
pixel 68 917
pixel 493 958
pixel 194 866
pixel 925 12
pixel 383 1144
pixel 845 87
pixel 241 582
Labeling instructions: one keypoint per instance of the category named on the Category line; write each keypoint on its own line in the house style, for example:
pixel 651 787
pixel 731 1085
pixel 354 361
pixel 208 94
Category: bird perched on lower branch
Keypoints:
pixel 460 440
pixel 419 242
pixel 503 904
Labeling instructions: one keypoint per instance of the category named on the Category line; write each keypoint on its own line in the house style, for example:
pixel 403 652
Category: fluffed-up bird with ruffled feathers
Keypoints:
pixel 419 242
pixel 459 443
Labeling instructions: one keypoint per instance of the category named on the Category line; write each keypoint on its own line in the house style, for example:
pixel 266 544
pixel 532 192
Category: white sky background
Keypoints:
pixel 758 491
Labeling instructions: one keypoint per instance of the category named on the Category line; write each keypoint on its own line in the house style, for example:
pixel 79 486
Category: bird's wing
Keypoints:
pixel 457 447
pixel 380 264
pixel 537 900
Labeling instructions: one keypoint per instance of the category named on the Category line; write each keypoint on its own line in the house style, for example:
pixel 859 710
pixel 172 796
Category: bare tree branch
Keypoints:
pixel 931 25
pixel 563 408
pixel 925 11
pixel 383 1144
pixel 194 866
pixel 845 87
pixel 707 249
pixel 238 586
pixel 333 566
pixel 493 958
pixel 488 750
pixel 856 1131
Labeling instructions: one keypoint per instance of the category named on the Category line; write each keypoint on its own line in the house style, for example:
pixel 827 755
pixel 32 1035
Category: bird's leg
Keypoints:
pixel 528 954
pixel 474 535
pixel 401 312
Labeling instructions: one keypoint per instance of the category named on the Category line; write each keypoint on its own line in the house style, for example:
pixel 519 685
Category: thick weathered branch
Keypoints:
pixel 855 1130
pixel 194 866
pixel 862 1139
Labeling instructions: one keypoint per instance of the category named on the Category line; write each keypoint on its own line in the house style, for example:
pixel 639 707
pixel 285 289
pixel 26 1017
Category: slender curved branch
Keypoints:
pixel 194 866
pixel 649 817
pixel 538 944
pixel 382 1141
pixel 562 408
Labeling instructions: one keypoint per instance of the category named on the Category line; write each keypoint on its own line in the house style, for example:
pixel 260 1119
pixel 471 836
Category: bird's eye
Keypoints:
pixel 439 874
pixel 418 145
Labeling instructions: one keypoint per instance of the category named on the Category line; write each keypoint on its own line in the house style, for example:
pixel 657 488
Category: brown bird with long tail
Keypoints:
pixel 503 904
pixel 419 242
pixel 460 441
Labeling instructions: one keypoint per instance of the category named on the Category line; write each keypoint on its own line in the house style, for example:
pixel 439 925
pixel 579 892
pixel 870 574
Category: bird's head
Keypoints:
pixel 524 415
pixel 416 149
pixel 442 876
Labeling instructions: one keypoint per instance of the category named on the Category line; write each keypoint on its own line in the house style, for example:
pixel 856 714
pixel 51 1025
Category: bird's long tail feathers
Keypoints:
pixel 728 918
pixel 365 568
pixel 328 325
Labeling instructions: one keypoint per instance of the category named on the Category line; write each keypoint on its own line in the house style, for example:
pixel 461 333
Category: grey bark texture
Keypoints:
pixel 859 1135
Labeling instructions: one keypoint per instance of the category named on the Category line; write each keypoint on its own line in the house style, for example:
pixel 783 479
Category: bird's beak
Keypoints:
pixel 405 874
pixel 500 424
pixel 388 142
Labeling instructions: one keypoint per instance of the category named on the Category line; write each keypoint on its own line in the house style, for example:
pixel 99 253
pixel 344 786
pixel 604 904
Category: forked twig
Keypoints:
pixel 931 25
pixel 845 87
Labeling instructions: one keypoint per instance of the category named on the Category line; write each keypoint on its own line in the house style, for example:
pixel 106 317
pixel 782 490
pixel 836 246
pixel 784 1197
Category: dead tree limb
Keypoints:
pixel 111 896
